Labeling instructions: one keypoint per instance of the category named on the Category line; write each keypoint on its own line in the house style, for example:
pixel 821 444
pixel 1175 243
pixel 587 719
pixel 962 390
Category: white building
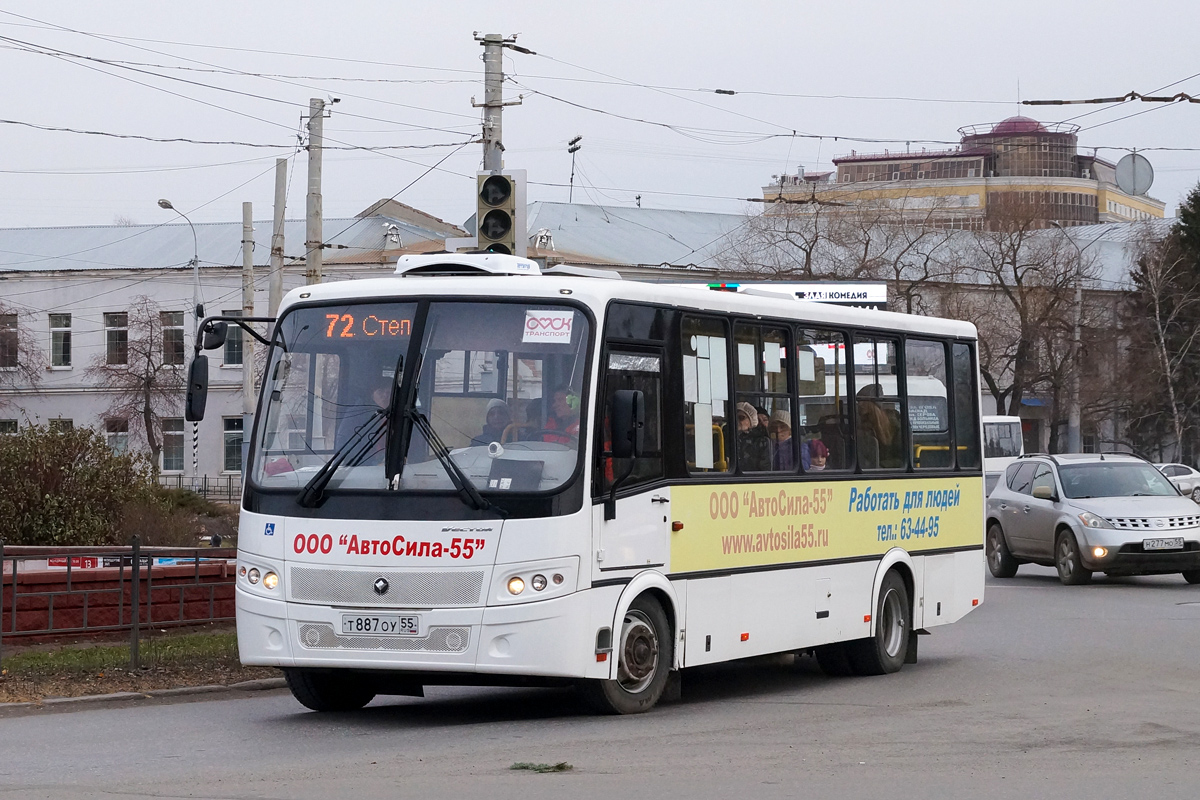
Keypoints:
pixel 66 293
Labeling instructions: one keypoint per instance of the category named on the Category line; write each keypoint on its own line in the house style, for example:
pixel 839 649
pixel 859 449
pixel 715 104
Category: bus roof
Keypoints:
pixel 597 292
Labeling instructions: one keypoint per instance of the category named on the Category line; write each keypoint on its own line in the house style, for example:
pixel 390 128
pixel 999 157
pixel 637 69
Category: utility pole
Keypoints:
pixel 313 242
pixel 573 147
pixel 1074 438
pixel 275 295
pixel 493 104
pixel 247 341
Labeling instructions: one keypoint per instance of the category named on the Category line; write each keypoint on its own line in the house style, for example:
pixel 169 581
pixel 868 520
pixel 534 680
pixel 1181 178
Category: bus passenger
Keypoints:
pixel 496 420
pixel 784 457
pixel 754 445
pixel 564 417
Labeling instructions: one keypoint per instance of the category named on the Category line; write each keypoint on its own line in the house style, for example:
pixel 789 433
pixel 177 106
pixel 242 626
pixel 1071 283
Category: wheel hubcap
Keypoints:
pixel 1066 556
pixel 892 623
pixel 993 551
pixel 639 653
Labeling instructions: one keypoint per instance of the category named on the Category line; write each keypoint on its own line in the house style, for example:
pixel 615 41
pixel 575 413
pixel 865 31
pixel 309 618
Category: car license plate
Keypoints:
pixel 1175 543
pixel 382 624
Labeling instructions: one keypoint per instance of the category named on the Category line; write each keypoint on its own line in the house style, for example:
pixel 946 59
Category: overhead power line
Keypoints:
pixel 1181 97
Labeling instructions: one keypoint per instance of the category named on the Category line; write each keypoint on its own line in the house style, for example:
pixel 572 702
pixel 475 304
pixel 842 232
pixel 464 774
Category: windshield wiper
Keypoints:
pixel 466 489
pixel 351 452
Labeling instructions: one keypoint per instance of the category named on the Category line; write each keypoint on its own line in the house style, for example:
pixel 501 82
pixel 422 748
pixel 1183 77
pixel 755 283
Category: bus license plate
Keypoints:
pixel 1175 543
pixel 382 624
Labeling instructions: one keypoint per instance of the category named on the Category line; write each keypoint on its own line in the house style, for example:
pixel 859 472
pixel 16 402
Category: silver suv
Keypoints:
pixel 1086 513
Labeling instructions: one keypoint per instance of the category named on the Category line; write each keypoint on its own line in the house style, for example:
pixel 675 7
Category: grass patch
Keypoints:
pixel 561 766
pixel 187 649
pixel 169 660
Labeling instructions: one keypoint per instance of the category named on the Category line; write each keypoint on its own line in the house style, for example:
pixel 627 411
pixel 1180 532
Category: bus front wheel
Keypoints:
pixel 884 652
pixel 327 690
pixel 644 653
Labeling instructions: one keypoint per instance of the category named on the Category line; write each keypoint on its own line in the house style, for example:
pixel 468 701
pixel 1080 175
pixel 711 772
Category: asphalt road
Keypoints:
pixel 1044 691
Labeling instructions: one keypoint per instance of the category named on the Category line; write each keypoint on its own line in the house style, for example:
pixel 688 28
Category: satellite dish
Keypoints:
pixel 1134 174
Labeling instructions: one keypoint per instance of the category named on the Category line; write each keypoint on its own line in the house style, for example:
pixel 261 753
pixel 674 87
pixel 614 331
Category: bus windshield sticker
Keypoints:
pixel 718 373
pixel 690 392
pixel 550 327
pixel 807 364
pixel 772 362
pixel 745 359
pixel 704 436
pixel 703 381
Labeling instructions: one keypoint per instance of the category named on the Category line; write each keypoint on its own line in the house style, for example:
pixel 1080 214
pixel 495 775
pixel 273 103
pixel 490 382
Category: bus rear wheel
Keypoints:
pixel 884 652
pixel 327 690
pixel 644 652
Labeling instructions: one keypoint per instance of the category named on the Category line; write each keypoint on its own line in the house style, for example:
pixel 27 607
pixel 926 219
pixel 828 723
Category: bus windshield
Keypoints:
pixel 497 383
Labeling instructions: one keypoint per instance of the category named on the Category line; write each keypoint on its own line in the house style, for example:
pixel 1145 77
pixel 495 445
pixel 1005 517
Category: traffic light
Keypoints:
pixel 500 212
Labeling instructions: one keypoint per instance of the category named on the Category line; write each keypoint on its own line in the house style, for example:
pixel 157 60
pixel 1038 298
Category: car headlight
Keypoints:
pixel 1090 520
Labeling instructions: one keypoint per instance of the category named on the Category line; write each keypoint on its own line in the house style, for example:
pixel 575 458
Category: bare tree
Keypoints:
pixel 144 375
pixel 22 362
pixel 1165 322
pixel 1027 280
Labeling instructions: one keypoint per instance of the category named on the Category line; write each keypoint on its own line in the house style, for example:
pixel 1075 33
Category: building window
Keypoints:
pixel 172 332
pixel 62 425
pixel 116 338
pixel 1045 173
pixel 116 433
pixel 233 343
pixel 8 427
pixel 60 340
pixel 172 445
pixel 233 444
pixel 8 341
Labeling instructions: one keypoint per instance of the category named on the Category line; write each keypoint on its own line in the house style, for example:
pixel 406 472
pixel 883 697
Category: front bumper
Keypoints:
pixel 544 638
pixel 1130 558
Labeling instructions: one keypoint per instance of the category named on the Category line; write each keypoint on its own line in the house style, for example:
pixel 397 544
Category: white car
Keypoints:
pixel 1185 478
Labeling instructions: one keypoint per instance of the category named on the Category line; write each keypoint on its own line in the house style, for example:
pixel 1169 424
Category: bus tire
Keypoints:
pixel 999 558
pixel 884 652
pixel 833 660
pixel 644 653
pixel 328 690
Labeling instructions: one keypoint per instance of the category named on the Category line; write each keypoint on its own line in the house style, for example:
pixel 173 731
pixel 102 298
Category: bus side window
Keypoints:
pixel 643 372
pixel 765 440
pixel 966 400
pixel 878 428
pixel 822 408
pixel 706 401
pixel 928 415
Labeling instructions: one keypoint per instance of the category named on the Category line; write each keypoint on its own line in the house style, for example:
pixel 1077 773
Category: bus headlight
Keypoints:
pixel 270 580
pixel 516 585
pixel 538 582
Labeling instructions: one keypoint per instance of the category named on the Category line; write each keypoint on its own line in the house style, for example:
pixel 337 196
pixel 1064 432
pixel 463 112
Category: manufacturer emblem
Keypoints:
pixel 381 586
pixel 1158 523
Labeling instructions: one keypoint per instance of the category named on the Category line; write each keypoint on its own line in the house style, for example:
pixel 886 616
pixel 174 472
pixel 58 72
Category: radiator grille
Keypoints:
pixel 317 636
pixel 1150 523
pixel 409 589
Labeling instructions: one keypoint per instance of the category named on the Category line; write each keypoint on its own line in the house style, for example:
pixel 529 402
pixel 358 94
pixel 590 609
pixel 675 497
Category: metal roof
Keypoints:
pixel 636 236
pixel 218 244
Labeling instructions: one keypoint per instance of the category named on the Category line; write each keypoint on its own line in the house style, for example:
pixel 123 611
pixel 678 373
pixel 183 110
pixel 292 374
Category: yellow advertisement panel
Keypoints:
pixel 727 526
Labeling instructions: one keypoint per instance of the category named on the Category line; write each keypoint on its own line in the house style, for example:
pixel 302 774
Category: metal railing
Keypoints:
pixel 219 488
pixel 106 589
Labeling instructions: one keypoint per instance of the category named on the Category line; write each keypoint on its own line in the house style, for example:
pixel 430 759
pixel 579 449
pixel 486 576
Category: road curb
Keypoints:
pixel 68 703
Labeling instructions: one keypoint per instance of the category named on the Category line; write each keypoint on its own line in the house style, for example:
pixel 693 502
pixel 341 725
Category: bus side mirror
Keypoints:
pixel 628 423
pixel 214 335
pixel 197 389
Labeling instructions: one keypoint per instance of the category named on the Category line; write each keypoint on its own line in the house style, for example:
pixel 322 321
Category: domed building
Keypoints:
pixel 1015 169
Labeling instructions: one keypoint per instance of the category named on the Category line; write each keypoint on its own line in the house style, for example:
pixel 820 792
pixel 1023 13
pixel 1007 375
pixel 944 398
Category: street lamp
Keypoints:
pixel 198 309
pixel 1074 440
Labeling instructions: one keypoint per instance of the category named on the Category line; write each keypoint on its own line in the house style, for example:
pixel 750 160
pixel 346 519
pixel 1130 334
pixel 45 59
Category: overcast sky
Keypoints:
pixel 912 71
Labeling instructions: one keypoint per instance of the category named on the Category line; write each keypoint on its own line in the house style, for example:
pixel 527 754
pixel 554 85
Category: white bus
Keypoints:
pixel 478 472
